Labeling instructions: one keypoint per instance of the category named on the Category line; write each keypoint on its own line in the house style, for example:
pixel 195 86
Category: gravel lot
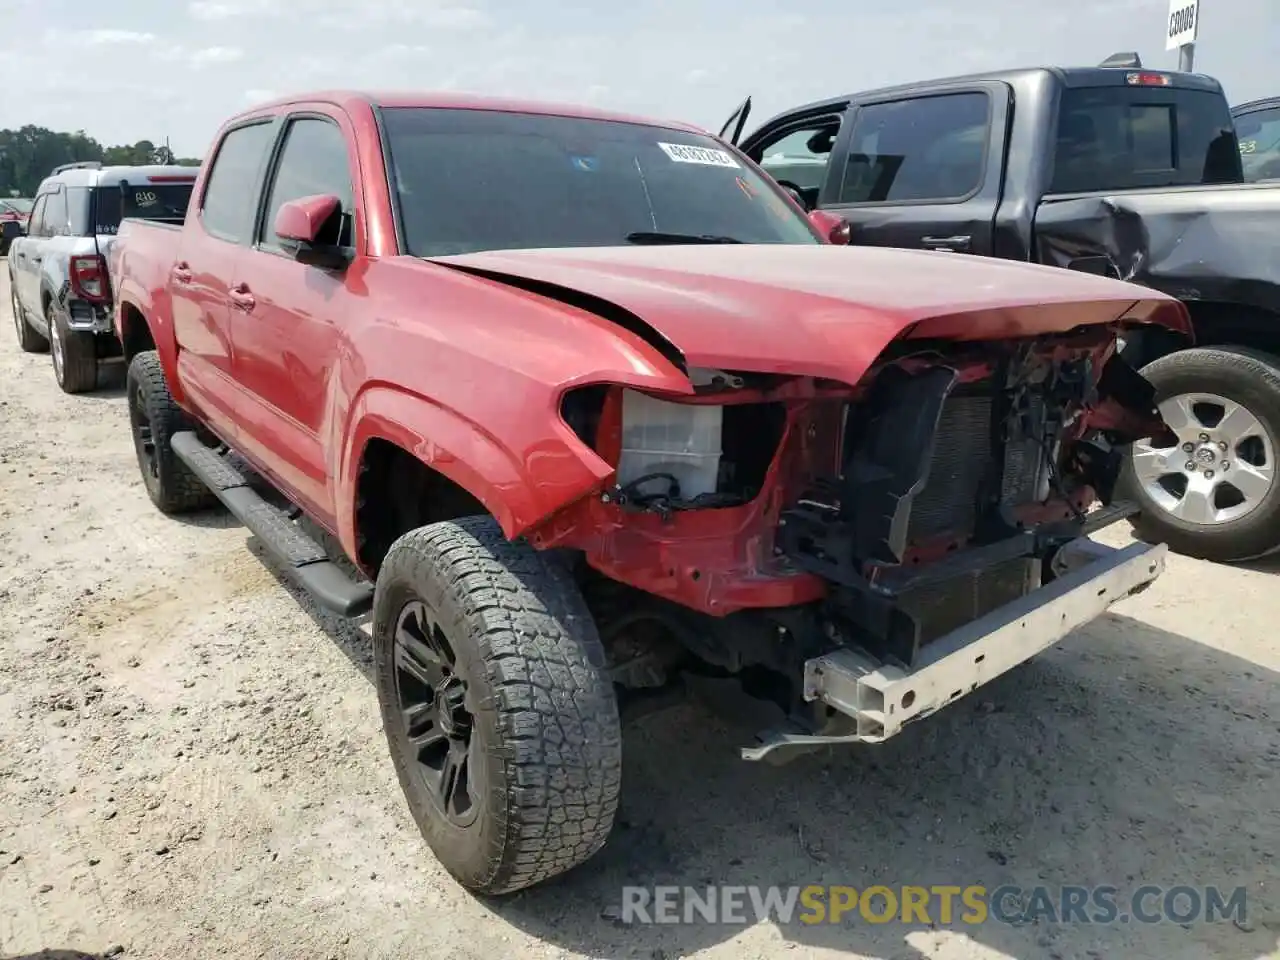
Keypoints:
pixel 191 763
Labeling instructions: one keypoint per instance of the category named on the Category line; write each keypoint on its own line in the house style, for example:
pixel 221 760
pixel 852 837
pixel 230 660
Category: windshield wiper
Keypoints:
pixel 656 237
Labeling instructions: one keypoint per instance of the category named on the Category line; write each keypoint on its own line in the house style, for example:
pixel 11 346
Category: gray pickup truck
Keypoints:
pixel 1117 170
pixel 58 271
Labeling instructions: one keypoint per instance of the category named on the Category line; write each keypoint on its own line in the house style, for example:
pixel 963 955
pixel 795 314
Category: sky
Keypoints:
pixel 127 70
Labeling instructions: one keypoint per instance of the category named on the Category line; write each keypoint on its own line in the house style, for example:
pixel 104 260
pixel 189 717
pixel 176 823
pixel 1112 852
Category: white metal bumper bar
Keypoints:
pixel 882 699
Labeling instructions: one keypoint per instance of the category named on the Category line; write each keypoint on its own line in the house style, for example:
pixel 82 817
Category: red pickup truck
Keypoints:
pixel 604 418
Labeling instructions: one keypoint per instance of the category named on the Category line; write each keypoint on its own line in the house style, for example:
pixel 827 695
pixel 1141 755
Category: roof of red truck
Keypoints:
pixel 460 101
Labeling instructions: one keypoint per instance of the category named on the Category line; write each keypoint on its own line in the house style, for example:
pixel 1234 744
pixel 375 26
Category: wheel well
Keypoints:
pixel 1215 324
pixel 1222 323
pixel 395 493
pixel 137 334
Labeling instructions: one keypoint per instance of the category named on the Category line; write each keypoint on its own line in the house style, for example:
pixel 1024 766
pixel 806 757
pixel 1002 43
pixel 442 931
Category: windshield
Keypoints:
pixel 1119 138
pixel 1260 144
pixel 469 180
pixel 145 201
pixel 16 205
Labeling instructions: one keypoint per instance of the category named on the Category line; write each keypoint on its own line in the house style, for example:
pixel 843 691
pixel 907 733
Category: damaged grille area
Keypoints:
pixel 918 526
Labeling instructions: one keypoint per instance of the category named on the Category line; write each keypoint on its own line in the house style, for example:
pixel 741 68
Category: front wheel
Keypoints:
pixel 1213 494
pixel 29 341
pixel 501 720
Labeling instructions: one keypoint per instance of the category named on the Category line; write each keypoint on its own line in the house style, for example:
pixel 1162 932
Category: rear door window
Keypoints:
pixel 231 193
pixel 924 149
pixel 1123 138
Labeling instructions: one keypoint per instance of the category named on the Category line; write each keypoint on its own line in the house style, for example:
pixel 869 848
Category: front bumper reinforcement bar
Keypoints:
pixel 881 699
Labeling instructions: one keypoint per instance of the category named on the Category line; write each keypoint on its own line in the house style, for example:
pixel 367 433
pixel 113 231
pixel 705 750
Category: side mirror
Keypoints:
pixel 301 223
pixel 834 229
pixel 11 230
pixel 302 220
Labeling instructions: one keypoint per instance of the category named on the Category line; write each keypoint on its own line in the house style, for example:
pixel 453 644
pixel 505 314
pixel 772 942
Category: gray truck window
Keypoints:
pixel 313 163
pixel 799 157
pixel 1260 144
pixel 229 195
pixel 1121 138
pixel 925 148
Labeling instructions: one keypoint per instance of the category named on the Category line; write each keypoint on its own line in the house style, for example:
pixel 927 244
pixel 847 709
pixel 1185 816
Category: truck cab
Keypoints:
pixel 953 165
pixel 1116 170
pixel 58 271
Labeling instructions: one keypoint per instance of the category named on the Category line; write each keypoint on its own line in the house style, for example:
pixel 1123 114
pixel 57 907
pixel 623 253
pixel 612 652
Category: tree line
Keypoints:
pixel 28 155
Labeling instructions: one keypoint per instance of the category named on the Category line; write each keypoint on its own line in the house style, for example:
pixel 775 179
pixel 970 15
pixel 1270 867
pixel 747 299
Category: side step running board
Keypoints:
pixel 305 560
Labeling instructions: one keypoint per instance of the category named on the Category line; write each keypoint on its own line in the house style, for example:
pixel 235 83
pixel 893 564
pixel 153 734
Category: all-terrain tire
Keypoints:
pixel 545 718
pixel 154 418
pixel 75 354
pixel 29 341
pixel 1250 378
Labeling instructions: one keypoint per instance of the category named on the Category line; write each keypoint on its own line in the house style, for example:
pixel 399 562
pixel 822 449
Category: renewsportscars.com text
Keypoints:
pixel 932 905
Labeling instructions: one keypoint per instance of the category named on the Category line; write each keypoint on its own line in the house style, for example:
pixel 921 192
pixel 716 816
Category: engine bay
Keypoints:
pixel 766 519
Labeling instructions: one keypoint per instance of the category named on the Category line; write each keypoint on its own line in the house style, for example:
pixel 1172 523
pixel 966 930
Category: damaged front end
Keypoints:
pixel 838 560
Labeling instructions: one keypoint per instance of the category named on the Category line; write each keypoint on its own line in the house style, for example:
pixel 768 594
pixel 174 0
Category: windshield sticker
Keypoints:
pixel 144 199
pixel 704 156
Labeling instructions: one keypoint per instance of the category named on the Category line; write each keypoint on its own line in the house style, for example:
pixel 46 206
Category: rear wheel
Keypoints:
pixel 28 340
pixel 501 720
pixel 154 418
pixel 75 354
pixel 1214 493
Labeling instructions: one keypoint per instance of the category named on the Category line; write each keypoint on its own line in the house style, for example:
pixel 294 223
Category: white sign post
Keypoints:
pixel 1180 31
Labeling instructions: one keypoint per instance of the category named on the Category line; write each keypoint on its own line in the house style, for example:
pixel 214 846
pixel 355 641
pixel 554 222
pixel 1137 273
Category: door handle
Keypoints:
pixel 959 241
pixel 36 259
pixel 242 298
pixel 182 272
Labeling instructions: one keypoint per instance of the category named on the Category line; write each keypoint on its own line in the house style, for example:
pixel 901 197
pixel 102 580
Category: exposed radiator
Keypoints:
pixel 961 454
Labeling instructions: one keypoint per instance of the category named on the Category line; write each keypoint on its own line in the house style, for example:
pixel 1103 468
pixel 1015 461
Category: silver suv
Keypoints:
pixel 58 271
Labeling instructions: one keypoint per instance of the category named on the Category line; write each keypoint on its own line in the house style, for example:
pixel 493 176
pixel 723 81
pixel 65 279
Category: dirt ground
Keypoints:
pixel 191 763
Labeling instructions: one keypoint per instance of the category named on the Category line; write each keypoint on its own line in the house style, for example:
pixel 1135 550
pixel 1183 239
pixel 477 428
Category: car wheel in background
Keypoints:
pixel 29 341
pixel 75 355
pixel 1214 494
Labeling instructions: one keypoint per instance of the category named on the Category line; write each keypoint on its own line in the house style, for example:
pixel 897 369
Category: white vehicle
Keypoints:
pixel 58 271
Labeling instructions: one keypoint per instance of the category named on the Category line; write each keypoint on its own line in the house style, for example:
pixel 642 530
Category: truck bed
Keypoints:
pixel 1211 243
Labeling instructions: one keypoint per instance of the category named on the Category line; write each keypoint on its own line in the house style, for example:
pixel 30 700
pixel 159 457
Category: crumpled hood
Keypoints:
pixel 819 310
